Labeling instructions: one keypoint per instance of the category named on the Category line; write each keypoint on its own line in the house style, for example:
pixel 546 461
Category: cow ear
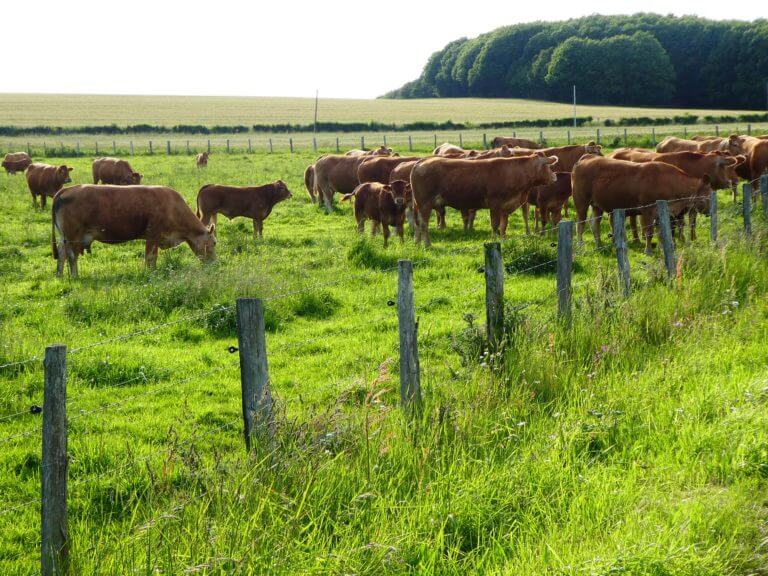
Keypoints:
pixel 212 229
pixel 552 160
pixel 740 159
pixel 69 168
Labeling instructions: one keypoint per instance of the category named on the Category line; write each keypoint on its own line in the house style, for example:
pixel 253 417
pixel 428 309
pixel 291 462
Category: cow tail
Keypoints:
pixel 54 246
pixel 348 196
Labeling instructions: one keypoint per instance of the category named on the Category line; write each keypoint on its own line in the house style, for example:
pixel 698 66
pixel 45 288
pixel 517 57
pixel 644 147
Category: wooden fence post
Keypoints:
pixel 749 129
pixel 598 135
pixel 410 143
pixel 29 149
pixel 290 144
pixel 254 370
pixel 564 267
pixel 746 208
pixel 227 145
pixel 717 130
pixel 150 147
pixel 620 242
pixel 625 137
pixel 685 131
pixel 494 294
pixel 114 147
pixel 410 379
pixel 713 216
pixel 250 148
pixel 187 147
pixel 764 194
pixel 55 540
pixel 362 142
pixel 485 141
pixel 541 137
pixel 270 145
pixel 667 242
pixel 385 140
pixel 569 137
pixel 435 138
pixel 461 141
pixel 337 145
pixel 653 136
pixel 314 143
pixel 168 147
pixel 209 146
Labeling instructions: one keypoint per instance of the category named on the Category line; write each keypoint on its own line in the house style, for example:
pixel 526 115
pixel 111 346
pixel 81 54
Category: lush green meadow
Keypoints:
pixel 634 441
pixel 84 109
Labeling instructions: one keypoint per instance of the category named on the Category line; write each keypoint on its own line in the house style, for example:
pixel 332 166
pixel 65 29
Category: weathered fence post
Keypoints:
pixel 131 147
pixel 653 136
pixel 667 242
pixel 514 133
pixel 187 147
pixel 746 208
pixel 461 141
pixel 254 370
pixel 598 135
pixel 569 137
pixel 541 137
pixel 150 147
pixel 337 145
pixel 250 148
pixel 564 267
pixel 620 242
pixel 435 141
pixel 362 142
pixel 168 147
pixel 410 143
pixel 55 540
pixel 385 140
pixel 625 138
pixel 227 145
pixel 209 146
pixel 685 131
pixel 78 147
pixel 749 129
pixel 270 145
pixel 764 194
pixel 314 144
pixel 713 216
pixel 290 143
pixel 494 294
pixel 485 141
pixel 717 130
pixel 410 379
pixel 114 147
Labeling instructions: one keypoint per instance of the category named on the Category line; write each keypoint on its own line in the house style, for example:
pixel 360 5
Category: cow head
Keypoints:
pixel 593 148
pixel 724 173
pixel 382 151
pixel 401 193
pixel 504 151
pixel 544 173
pixel 204 244
pixel 135 178
pixel 281 190
pixel 62 174
pixel 734 145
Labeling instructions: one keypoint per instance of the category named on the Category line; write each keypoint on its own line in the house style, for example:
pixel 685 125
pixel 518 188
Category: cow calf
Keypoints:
pixel 383 204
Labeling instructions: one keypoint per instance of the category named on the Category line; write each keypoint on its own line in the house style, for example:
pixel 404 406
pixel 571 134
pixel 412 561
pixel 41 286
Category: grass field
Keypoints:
pixel 634 442
pixel 80 110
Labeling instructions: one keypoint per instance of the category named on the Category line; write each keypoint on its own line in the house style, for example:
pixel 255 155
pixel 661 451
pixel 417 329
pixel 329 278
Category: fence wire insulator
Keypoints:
pixel 481 270
pixel 232 349
pixel 390 302
pixel 35 409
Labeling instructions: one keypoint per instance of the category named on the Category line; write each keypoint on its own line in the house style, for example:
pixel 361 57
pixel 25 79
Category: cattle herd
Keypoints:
pixel 389 189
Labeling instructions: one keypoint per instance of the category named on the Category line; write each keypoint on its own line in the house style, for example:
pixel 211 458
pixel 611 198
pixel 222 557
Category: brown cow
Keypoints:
pixel 201 160
pixel 45 180
pixel 403 172
pixel 380 151
pixel 379 168
pixel 335 173
pixel 733 145
pixel 383 204
pixel 114 171
pixel 309 182
pixel 607 184
pixel 567 156
pixel 117 214
pixel 500 141
pixel 550 199
pixel 756 150
pixel 16 162
pixel 448 149
pixel 500 184
pixel 254 202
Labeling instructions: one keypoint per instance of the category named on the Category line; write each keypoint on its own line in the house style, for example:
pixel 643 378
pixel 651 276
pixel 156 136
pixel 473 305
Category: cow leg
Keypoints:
pixel 400 231
pixel 466 216
pixel 43 198
pixel 385 232
pixel 72 261
pixel 472 215
pixel 150 254
pixel 258 229
pixel 692 224
pixel 581 222
pixel 541 214
pixel 374 227
pixel 34 200
pixel 646 220
pixel 596 221
pixel 633 226
pixel 525 219
pixel 495 220
pixel 735 190
pixel 567 203
pixel 422 229
pixel 440 217
pixel 62 249
pixel 360 223
pixel 504 221
pixel 410 217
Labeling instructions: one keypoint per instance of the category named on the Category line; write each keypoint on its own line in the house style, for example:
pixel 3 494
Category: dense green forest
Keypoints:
pixel 644 59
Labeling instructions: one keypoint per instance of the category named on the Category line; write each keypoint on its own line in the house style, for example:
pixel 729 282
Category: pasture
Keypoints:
pixel 634 441
pixel 84 109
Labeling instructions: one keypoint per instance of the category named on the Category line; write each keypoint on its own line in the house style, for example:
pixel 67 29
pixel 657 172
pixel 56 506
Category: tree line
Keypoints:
pixel 644 59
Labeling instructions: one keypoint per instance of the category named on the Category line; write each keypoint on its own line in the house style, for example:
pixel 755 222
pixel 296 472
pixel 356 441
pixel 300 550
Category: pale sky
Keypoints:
pixel 346 49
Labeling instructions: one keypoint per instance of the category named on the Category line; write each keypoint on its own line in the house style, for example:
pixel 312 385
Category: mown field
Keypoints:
pixel 634 441
pixel 81 110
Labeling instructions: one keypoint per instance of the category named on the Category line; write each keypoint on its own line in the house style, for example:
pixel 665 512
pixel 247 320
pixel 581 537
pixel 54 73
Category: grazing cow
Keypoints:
pixel 733 145
pixel 309 182
pixel 756 150
pixel 201 160
pixel 607 184
pixel 335 173
pixel 550 199
pixel 16 162
pixel 403 172
pixel 45 180
pixel 254 202
pixel 449 150
pixel 117 214
pixel 379 168
pixel 499 184
pixel 719 166
pixel 500 141
pixel 383 204
pixel 380 151
pixel 567 156
pixel 114 171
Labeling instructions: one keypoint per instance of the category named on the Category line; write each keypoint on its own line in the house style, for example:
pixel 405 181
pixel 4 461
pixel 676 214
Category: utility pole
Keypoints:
pixel 574 105
pixel 317 93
